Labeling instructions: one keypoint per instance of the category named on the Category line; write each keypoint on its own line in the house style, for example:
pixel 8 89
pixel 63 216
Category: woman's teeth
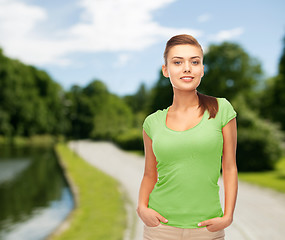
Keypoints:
pixel 187 78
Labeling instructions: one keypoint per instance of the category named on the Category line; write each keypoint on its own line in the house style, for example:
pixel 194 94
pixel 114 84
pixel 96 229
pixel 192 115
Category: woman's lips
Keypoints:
pixel 187 79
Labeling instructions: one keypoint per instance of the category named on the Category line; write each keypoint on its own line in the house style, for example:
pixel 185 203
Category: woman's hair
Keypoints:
pixel 180 40
pixel 206 102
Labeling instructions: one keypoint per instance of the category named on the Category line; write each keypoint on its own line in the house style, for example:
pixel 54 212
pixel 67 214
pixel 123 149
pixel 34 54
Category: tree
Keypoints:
pixel 96 113
pixel 113 118
pixel 30 101
pixel 229 71
pixel 138 100
pixel 259 145
pixel 273 98
pixel 161 94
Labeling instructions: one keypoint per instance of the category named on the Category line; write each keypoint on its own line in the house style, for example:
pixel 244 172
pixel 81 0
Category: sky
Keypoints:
pixel 121 42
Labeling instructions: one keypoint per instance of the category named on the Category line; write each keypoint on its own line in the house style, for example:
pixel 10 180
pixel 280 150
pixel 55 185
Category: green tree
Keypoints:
pixel 137 101
pixel 30 101
pixel 113 118
pixel 229 71
pixel 272 100
pixel 161 95
pixel 96 113
pixel 80 113
pixel 259 141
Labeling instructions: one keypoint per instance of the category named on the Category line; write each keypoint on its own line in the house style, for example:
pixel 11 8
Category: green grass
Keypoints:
pixel 272 179
pixel 100 214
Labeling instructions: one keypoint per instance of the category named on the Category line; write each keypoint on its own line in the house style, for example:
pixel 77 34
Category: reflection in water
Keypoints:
pixel 10 168
pixel 34 197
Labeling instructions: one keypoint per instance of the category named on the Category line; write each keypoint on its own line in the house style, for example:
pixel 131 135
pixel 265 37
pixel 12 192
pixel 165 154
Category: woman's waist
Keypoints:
pixel 191 196
pixel 183 214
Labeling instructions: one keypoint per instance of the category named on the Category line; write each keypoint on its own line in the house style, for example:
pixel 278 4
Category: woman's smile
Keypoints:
pixel 187 78
pixel 184 67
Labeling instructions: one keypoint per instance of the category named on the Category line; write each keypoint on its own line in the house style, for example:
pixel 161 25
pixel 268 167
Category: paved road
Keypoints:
pixel 259 212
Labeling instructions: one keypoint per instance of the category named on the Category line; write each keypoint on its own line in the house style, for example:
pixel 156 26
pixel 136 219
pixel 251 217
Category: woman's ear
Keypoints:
pixel 164 71
pixel 202 72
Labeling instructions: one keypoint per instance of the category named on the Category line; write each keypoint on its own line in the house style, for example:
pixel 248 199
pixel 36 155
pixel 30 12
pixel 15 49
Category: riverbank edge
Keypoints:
pixel 130 206
pixel 72 216
pixel 64 225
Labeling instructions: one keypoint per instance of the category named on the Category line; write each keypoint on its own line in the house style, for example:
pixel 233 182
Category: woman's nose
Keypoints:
pixel 187 67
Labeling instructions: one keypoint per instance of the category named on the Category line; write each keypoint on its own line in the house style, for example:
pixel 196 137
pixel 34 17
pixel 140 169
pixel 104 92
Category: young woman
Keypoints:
pixel 185 146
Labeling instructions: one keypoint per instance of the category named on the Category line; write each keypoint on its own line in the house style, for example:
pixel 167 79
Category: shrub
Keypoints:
pixel 130 140
pixel 259 140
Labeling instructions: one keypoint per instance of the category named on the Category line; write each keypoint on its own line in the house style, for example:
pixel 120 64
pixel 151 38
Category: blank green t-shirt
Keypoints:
pixel 188 166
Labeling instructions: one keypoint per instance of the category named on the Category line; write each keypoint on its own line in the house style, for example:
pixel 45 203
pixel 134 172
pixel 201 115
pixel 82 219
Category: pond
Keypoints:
pixel 34 195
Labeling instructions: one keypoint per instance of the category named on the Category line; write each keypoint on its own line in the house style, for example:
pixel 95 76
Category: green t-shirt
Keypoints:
pixel 188 166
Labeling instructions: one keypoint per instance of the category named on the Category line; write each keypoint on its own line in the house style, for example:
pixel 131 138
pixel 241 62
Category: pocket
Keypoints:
pixel 154 226
pixel 207 229
pixel 212 231
pixel 219 232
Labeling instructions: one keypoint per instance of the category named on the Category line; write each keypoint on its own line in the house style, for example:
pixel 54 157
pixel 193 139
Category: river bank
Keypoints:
pixel 99 211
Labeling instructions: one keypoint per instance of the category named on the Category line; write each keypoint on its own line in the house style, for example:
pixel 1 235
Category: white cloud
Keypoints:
pixel 105 25
pixel 204 18
pixel 19 38
pixel 17 18
pixel 123 59
pixel 227 34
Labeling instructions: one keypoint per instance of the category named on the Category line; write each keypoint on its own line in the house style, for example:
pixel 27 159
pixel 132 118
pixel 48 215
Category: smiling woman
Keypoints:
pixel 185 62
pixel 184 144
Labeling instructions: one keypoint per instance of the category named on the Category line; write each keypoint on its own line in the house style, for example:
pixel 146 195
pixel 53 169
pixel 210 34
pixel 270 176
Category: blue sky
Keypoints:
pixel 121 42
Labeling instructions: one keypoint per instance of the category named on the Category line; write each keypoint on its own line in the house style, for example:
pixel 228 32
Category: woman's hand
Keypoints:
pixel 216 224
pixel 150 217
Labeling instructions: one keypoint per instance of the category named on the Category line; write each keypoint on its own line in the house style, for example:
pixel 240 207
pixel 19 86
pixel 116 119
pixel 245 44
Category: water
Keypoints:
pixel 34 196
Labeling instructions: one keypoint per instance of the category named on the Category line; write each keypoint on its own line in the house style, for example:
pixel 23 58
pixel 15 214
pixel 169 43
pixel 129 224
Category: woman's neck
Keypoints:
pixel 184 100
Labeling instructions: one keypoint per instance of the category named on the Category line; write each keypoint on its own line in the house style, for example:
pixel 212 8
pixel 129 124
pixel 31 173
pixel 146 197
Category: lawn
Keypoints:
pixel 100 212
pixel 272 179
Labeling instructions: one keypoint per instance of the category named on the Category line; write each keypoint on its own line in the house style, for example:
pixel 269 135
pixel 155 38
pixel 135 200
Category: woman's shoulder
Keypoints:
pixel 226 108
pixel 224 101
pixel 154 115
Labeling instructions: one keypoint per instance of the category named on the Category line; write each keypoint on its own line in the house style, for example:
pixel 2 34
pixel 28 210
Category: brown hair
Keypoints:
pixel 206 102
pixel 180 40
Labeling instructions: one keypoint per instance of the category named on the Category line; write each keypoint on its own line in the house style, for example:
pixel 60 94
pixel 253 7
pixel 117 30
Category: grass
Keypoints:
pixel 100 214
pixel 274 179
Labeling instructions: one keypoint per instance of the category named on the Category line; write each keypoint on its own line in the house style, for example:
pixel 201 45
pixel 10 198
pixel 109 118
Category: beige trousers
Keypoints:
pixel 167 232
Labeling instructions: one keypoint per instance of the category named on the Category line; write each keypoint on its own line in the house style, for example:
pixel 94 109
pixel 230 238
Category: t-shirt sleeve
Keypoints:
pixel 147 126
pixel 228 112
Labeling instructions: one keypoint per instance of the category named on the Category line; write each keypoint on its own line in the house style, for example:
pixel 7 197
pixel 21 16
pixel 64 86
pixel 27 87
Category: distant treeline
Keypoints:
pixel 31 103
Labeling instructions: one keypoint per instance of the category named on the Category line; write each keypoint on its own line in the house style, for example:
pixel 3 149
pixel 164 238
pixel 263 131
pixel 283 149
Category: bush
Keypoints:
pixel 130 140
pixel 35 140
pixel 259 140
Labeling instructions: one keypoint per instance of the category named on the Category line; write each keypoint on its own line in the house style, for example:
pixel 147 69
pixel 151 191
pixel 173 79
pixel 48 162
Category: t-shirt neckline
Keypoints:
pixel 187 130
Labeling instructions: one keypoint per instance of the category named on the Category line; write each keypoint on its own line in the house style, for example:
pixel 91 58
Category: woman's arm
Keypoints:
pixel 230 178
pixel 148 215
pixel 230 173
pixel 150 172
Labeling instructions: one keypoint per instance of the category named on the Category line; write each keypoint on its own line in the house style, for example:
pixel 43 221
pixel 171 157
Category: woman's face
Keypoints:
pixel 184 67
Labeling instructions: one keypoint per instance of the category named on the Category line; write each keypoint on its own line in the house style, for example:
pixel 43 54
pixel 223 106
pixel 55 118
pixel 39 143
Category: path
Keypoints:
pixel 259 212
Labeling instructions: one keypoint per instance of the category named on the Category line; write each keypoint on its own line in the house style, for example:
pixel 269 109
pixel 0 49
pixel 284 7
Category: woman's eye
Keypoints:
pixel 195 62
pixel 177 63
